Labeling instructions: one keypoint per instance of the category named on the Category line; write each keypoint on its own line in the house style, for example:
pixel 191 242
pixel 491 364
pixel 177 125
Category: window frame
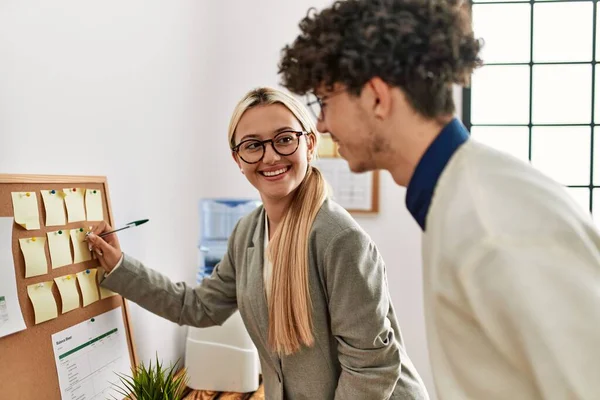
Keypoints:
pixel 593 125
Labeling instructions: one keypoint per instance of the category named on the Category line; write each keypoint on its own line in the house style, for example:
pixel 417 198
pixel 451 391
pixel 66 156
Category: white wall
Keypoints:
pixel 142 91
pixel 113 88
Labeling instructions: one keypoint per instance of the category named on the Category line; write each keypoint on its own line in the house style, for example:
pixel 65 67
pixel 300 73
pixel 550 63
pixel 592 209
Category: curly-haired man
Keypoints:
pixel 511 265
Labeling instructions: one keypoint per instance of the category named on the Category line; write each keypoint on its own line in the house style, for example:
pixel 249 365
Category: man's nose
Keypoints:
pixel 322 126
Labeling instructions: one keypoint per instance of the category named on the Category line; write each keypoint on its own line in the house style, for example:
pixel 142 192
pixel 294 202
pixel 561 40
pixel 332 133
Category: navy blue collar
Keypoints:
pixel 424 180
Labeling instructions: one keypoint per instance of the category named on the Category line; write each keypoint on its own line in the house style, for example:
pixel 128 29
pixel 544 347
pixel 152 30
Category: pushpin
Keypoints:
pixel 68 277
pixel 53 191
pixel 94 192
pixel 60 232
pixel 33 239
pixel 28 194
pixel 74 189
pixel 93 320
pixel 80 229
pixel 40 285
pixel 87 271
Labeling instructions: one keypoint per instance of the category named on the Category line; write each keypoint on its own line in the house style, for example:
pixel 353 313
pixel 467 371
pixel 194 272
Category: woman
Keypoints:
pixel 310 285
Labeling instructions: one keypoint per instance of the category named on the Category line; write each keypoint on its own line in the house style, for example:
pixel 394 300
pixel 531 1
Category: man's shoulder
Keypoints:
pixel 503 195
pixel 485 174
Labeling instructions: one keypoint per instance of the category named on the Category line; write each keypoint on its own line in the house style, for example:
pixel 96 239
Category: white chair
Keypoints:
pixel 222 358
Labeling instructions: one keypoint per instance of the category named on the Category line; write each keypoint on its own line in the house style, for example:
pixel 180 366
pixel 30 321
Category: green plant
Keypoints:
pixel 153 382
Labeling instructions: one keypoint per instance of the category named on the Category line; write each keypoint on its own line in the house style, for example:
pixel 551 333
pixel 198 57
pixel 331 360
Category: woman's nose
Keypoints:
pixel 270 154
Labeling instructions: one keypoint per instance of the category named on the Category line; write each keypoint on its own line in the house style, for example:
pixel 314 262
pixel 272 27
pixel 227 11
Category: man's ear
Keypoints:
pixel 377 96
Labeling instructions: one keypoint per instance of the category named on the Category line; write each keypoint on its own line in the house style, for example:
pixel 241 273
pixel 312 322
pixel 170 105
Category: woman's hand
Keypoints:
pixel 107 248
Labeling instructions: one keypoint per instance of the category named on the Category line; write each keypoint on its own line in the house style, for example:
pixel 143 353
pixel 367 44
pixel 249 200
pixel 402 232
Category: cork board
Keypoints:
pixel 29 370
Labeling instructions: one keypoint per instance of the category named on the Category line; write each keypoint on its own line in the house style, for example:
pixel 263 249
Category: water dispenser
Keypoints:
pixel 221 358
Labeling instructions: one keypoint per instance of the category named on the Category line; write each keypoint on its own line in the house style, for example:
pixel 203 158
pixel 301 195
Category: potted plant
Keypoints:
pixel 153 382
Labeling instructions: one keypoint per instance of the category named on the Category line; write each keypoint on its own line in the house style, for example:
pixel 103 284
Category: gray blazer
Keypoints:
pixel 358 351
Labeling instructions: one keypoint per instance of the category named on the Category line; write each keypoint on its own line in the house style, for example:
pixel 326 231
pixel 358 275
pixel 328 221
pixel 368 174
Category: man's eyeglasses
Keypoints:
pixel 316 104
pixel 284 143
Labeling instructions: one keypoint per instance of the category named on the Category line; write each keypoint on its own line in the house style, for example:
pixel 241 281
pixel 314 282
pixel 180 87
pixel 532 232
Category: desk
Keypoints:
pixel 210 395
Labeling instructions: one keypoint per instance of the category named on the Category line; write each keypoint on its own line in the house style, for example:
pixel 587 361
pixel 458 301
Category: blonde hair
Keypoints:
pixel 290 306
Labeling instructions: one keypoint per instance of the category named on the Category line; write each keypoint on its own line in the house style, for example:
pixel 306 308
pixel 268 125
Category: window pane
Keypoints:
pixel 510 139
pixel 581 197
pixel 563 31
pixel 597 89
pixel 489 1
pixel 562 94
pixel 500 95
pixel 501 44
pixel 563 153
pixel 597 157
pixel 596 206
pixel 597 32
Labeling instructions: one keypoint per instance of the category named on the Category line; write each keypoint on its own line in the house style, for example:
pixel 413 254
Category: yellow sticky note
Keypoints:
pixel 60 250
pixel 35 256
pixel 75 205
pixel 81 251
pixel 88 286
pixel 25 206
pixel 55 207
pixel 93 205
pixel 104 293
pixel 43 301
pixel 68 292
pixel 326 147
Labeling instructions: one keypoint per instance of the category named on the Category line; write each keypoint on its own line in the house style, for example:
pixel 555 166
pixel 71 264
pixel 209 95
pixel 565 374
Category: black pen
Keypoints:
pixel 127 226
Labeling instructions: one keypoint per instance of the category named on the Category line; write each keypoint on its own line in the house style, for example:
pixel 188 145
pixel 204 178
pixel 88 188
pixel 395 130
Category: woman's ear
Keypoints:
pixel 237 160
pixel 311 140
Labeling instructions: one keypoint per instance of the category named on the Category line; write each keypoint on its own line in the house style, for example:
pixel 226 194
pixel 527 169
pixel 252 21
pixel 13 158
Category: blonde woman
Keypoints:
pixel 309 283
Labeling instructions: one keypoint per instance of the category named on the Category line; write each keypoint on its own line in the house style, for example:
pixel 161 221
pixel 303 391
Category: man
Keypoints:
pixel 511 265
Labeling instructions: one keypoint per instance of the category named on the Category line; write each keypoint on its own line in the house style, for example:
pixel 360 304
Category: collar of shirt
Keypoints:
pixel 422 184
pixel 267 266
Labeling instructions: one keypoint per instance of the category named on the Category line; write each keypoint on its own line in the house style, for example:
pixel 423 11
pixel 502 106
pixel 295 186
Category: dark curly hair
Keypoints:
pixel 420 46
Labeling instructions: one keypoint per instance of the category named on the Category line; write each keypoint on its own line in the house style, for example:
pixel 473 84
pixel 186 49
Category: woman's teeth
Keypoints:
pixel 275 173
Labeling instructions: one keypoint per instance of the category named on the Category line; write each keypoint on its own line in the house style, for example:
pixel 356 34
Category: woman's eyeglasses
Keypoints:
pixel 284 143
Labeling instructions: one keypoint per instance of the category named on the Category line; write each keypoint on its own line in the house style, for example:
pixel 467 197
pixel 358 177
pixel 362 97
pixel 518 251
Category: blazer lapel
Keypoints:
pixel 254 262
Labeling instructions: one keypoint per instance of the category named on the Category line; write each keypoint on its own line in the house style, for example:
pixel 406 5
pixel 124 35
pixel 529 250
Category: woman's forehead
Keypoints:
pixel 266 120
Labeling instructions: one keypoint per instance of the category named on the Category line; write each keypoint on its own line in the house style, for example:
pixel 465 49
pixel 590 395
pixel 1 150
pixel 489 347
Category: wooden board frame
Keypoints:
pixel 328 149
pixel 27 356
pixel 374 196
